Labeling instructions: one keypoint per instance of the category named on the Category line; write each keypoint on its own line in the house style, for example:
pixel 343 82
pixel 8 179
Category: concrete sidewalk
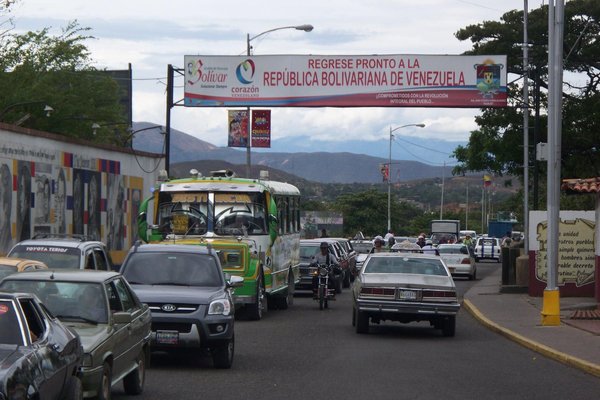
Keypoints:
pixel 518 317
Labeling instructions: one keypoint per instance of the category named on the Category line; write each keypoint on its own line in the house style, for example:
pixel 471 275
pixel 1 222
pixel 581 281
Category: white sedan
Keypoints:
pixel 487 248
pixel 458 260
pixel 404 287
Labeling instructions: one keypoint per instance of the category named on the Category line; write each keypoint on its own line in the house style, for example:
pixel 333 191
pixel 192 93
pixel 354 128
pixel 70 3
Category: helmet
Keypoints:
pixel 428 241
pixel 324 245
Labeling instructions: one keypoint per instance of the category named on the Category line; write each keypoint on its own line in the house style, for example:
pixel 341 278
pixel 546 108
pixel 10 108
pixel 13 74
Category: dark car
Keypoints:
pixel 308 249
pixel 101 308
pixel 351 258
pixel 39 356
pixel 189 296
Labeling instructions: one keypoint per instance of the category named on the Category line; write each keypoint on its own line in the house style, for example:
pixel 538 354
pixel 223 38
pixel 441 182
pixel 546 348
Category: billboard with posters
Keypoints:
pixel 237 121
pixel 261 128
pixel 393 80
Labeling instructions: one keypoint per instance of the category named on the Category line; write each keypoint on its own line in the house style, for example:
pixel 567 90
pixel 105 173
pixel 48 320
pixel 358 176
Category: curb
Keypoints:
pixel 590 368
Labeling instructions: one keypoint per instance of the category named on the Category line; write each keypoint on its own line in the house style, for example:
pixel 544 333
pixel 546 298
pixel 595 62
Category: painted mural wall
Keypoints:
pixel 50 184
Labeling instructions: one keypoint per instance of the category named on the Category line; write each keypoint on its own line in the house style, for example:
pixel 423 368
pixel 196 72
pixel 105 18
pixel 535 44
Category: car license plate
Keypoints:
pixel 407 295
pixel 167 337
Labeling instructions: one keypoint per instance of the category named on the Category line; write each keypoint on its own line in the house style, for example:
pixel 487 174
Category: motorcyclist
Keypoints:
pixel 324 257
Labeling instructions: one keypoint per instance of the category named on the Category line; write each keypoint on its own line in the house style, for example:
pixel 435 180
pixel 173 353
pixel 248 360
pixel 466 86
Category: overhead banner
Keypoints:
pixel 261 128
pixel 394 80
pixel 238 128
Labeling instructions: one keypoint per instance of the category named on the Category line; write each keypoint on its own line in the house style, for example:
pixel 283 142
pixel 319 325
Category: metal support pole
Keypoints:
pixel 525 130
pixel 249 133
pixel 389 185
pixel 168 117
pixel 551 302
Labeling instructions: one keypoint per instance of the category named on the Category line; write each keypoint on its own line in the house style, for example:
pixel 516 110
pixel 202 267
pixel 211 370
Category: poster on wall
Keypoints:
pixel 78 199
pixel 238 128
pixel 6 186
pixel 115 212
pixel 23 200
pixel 93 206
pixel 261 128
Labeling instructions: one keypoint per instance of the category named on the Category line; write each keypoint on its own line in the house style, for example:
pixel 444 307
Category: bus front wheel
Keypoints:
pixel 255 310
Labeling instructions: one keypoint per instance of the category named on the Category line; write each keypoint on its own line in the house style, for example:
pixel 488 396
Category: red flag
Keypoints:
pixel 385 171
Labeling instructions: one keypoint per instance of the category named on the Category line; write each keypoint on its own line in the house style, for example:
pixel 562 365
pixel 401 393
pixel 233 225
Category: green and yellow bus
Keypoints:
pixel 254 224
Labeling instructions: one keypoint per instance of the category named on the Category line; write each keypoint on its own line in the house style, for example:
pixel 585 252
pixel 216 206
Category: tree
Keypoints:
pixel 39 69
pixel 497 145
pixel 367 212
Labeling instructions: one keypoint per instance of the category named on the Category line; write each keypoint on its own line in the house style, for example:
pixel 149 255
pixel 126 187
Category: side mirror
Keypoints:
pixel 235 281
pixel 122 317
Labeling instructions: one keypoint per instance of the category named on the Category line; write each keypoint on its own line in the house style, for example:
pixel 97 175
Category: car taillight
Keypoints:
pixel 437 294
pixel 376 291
pixel 466 261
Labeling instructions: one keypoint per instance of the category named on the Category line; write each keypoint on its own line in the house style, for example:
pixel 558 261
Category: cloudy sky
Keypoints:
pixel 151 34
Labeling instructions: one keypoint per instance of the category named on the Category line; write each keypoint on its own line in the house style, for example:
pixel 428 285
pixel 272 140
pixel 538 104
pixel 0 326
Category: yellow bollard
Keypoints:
pixel 551 308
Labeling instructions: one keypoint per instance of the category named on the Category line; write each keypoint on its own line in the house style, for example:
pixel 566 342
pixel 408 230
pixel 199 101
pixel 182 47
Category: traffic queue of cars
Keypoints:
pixel 90 325
pixel 96 327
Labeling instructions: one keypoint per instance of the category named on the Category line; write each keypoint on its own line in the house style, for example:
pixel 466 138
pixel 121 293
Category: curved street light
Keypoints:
pixel 389 177
pixel 47 109
pixel 305 28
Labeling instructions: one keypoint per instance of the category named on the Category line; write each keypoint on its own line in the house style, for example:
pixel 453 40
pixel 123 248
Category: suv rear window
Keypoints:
pixel 55 257
pixel 182 269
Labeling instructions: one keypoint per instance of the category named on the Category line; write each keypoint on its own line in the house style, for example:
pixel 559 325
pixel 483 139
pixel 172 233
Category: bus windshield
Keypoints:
pixel 224 213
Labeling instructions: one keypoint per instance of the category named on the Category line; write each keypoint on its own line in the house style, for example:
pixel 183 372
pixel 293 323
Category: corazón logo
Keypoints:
pixel 245 71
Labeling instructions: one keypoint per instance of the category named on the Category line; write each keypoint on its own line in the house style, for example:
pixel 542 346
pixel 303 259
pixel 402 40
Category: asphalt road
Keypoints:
pixel 305 353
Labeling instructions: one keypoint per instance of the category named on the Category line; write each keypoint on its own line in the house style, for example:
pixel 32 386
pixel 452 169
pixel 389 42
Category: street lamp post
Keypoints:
pixel 305 28
pixel 47 109
pixel 389 178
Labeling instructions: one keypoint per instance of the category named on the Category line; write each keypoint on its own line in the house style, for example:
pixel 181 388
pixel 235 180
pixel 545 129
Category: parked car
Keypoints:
pixel 362 246
pixel 487 248
pixel 344 262
pixel 40 356
pixel 189 295
pixel 113 325
pixel 360 260
pixel 64 252
pixel 458 260
pixel 310 247
pixel 404 287
pixel 10 265
pixel 351 258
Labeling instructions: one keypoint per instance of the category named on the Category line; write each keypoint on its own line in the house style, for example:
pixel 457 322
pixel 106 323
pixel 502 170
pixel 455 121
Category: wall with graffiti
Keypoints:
pixel 52 185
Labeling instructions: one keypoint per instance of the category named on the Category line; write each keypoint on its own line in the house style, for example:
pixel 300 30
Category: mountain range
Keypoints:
pixel 323 167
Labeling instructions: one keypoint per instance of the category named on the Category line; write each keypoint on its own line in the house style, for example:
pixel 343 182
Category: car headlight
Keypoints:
pixel 219 307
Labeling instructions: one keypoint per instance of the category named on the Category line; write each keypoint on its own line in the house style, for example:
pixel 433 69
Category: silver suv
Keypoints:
pixel 189 295
pixel 64 252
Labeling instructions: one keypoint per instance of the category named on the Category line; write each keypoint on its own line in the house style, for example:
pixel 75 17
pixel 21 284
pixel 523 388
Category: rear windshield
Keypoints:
pixel 55 257
pixel 182 269
pixel 453 250
pixel 68 301
pixel 404 265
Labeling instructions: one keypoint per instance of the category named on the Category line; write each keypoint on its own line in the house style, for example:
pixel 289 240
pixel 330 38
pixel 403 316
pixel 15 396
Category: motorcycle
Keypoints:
pixel 324 292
